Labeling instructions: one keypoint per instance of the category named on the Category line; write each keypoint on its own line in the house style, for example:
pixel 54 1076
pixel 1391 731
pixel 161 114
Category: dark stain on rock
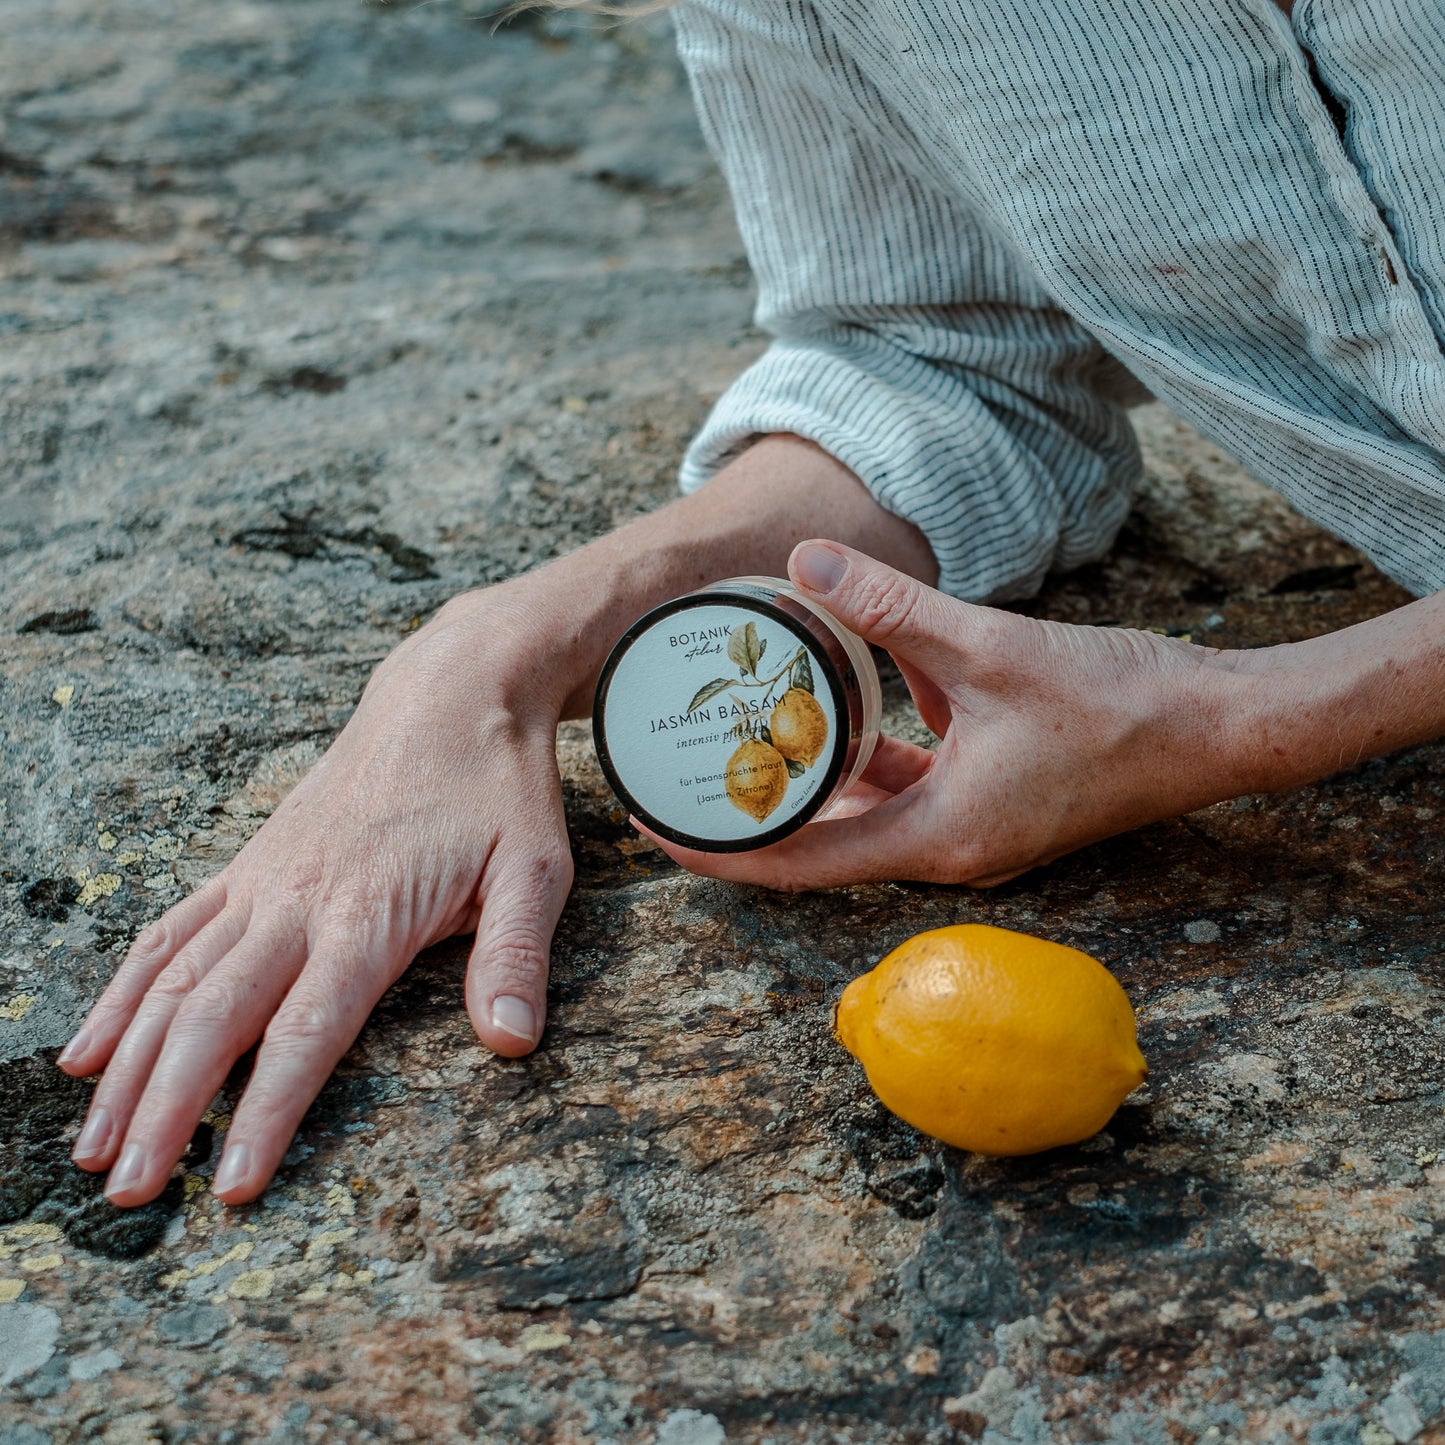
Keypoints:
pixel 399 1222
pixel 38 207
pixel 65 624
pixel 430 993
pixel 306 378
pixel 350 1099
pixel 598 830
pixel 1206 590
pixel 1100 1241
pixel 49 898
pixel 40 1182
pixel 15 165
pixel 890 1403
pixel 589 1252
pixel 1318 579
pixel 901 1167
pixel 303 537
pixel 516 148
pixel 963 1268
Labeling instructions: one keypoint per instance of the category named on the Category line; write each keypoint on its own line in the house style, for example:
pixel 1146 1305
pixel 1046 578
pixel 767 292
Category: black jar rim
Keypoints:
pixel 843 743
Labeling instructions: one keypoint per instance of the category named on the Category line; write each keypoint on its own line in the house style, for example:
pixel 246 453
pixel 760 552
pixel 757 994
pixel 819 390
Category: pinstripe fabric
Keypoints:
pixel 977 228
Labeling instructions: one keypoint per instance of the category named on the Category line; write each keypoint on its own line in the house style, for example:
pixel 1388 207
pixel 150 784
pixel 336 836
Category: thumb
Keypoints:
pixel 885 607
pixel 523 893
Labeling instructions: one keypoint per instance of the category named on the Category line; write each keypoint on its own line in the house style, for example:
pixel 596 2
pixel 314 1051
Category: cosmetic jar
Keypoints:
pixel 728 718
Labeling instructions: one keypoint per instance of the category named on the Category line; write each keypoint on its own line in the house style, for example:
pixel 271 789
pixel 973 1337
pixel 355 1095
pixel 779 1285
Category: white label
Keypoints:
pixel 720 722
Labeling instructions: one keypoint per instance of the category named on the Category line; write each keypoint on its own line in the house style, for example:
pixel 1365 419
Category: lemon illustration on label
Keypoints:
pixel 757 778
pixel 798 726
pixel 769 754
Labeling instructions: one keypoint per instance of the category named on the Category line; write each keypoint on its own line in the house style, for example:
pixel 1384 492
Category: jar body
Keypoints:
pixel 730 717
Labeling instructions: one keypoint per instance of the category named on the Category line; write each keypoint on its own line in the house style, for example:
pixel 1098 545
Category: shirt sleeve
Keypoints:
pixel 910 341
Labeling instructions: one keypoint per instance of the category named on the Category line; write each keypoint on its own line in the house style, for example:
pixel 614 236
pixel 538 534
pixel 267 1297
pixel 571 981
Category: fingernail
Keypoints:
pixel 514 1016
pixel 818 567
pixel 76 1047
pixel 234 1166
pixel 94 1137
pixel 128 1170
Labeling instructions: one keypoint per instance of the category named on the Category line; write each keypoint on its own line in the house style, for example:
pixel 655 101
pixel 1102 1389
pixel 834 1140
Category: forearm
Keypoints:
pixel 1306 709
pixel 746 520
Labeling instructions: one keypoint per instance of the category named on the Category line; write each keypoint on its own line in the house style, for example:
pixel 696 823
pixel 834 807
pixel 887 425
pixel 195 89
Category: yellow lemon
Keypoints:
pixel 798 726
pixel 757 778
pixel 992 1040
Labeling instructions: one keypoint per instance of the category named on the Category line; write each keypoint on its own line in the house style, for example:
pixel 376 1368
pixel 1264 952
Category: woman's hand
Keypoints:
pixel 1052 736
pixel 437 811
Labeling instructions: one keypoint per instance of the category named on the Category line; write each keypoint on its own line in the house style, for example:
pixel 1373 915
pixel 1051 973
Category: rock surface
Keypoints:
pixel 316 314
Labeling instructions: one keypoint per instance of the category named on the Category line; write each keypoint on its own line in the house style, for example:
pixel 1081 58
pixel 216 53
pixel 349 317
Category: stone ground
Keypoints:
pixel 316 313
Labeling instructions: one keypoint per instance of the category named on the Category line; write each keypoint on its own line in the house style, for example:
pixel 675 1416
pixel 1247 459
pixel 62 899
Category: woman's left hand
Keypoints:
pixel 1052 736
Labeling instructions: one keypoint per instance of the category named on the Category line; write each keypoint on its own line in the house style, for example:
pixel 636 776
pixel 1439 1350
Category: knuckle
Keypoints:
pixel 550 866
pixel 986 868
pixel 515 952
pixel 304 873
pixel 212 1009
pixel 177 981
pixel 528 885
pixel 986 885
pixel 453 612
pixel 153 942
pixel 970 862
pixel 301 1027
pixel 345 918
pixel 777 875
pixel 887 604
pixel 956 857
pixel 992 630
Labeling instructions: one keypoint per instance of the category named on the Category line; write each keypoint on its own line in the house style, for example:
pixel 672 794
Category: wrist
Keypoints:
pixel 1183 739
pixel 1299 711
pixel 566 615
pixel 495 641
pixel 1235 710
pixel 1232 725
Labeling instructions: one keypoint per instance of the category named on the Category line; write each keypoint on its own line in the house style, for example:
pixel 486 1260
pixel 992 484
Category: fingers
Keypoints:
pixel 523 888
pixel 896 765
pixel 884 607
pixel 523 891
pixel 856 801
pixel 305 1040
pixel 889 841
pixel 222 1017
pixel 151 952
pixel 134 1056
pixel 868 835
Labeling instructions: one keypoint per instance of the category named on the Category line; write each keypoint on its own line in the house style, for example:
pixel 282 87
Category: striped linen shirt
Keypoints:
pixel 978 227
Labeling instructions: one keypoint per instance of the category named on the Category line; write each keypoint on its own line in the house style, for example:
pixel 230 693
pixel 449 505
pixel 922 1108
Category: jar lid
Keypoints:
pixel 725 719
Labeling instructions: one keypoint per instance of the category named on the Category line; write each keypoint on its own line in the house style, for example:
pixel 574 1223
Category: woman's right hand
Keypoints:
pixel 437 811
